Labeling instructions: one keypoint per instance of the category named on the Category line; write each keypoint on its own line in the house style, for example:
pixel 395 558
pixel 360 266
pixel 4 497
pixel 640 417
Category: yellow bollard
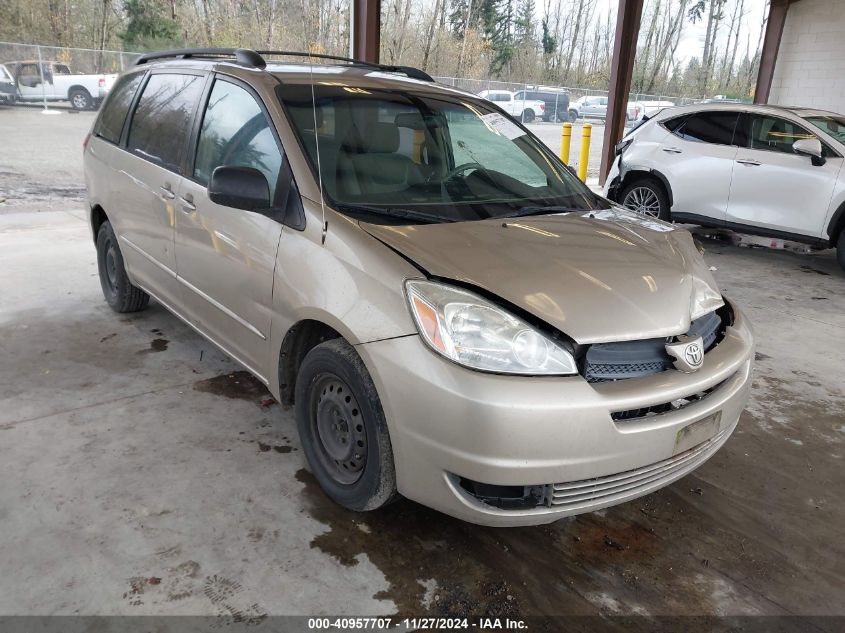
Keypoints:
pixel 586 133
pixel 565 142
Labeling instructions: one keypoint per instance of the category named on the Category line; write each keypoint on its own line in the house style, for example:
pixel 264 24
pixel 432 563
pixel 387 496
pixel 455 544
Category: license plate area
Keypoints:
pixel 697 432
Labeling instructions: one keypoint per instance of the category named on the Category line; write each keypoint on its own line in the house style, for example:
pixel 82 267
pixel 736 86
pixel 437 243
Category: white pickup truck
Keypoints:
pixel 526 110
pixel 54 81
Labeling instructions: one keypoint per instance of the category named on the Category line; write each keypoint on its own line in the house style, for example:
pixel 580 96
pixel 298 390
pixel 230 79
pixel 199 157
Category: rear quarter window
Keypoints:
pixel 716 128
pixel 116 107
pixel 161 124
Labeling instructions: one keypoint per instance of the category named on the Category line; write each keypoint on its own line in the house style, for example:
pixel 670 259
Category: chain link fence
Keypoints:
pixel 85 60
pixel 79 60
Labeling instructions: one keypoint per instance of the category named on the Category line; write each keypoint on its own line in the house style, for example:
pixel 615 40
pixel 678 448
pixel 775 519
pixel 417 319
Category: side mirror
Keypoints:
pixel 240 188
pixel 811 147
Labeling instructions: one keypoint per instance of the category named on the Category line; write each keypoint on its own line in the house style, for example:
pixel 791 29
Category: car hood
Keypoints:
pixel 605 275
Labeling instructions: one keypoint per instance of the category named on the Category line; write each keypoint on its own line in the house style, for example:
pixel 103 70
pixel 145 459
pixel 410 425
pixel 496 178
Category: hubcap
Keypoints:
pixel 79 101
pixel 643 200
pixel 340 430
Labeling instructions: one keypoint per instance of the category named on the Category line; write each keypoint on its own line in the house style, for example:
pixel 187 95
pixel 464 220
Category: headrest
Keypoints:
pixel 376 138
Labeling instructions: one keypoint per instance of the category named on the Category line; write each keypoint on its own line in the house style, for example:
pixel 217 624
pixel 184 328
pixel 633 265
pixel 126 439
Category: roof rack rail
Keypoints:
pixel 254 59
pixel 408 71
pixel 242 56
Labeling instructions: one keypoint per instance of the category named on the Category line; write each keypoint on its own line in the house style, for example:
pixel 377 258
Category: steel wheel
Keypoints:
pixel 643 200
pixel 337 424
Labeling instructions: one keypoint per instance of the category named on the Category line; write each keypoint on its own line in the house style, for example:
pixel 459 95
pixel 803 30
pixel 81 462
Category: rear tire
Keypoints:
pixel 527 115
pixel 647 197
pixel 573 116
pixel 342 428
pixel 80 99
pixel 840 250
pixel 119 292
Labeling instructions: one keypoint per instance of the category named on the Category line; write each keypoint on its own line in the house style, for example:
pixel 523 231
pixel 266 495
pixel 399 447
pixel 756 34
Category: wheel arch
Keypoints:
pixel 836 224
pixel 78 88
pixel 301 338
pixel 630 175
pixel 98 216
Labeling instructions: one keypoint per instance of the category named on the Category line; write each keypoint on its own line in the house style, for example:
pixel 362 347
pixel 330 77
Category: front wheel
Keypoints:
pixel 342 428
pixel 840 250
pixel 646 196
pixel 80 99
pixel 527 115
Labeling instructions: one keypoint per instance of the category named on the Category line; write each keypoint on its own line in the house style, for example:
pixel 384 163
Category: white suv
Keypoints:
pixel 766 170
pixel 526 110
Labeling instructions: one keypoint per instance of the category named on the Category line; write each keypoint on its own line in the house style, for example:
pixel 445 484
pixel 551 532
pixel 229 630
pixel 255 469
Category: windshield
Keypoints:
pixel 433 157
pixel 4 74
pixel 831 124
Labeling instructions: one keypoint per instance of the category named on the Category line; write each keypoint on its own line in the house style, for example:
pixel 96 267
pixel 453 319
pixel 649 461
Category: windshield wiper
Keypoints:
pixel 524 211
pixel 395 212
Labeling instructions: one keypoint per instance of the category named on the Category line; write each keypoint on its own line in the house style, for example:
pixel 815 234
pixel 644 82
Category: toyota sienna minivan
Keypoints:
pixel 455 316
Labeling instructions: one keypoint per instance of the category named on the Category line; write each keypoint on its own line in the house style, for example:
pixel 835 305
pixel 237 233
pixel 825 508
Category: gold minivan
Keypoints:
pixel 456 317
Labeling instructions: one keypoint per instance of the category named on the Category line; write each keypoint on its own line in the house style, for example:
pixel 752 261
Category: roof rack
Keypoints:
pixel 408 71
pixel 255 59
pixel 242 55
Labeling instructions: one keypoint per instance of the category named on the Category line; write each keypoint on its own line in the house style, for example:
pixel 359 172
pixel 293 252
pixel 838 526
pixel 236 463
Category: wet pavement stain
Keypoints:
pixel 156 345
pixel 239 385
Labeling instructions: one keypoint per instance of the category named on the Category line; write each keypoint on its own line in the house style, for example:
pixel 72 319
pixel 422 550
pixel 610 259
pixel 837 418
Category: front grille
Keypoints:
pixel 666 407
pixel 631 483
pixel 635 359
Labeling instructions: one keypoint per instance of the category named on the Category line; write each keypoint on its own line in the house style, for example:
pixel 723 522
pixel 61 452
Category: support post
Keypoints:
pixel 366 25
pixel 621 69
pixel 565 142
pixel 768 55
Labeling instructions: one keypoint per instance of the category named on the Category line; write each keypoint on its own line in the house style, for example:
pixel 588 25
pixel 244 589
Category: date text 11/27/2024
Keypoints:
pixel 416 624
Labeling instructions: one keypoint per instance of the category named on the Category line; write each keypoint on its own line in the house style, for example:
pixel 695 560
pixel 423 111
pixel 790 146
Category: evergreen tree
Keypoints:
pixel 148 25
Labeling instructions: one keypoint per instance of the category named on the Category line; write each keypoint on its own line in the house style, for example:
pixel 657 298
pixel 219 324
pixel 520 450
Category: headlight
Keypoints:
pixel 477 334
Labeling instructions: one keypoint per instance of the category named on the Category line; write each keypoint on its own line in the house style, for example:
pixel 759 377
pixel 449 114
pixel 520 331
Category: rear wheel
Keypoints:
pixel 527 115
pixel 80 99
pixel 840 250
pixel 342 428
pixel 573 116
pixel 120 293
pixel 646 196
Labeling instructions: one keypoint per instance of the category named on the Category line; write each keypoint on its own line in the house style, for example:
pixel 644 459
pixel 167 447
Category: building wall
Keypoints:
pixel 810 67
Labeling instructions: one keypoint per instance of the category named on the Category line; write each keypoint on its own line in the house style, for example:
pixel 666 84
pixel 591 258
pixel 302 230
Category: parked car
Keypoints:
pixel 455 317
pixel 556 102
pixel 764 170
pixel 588 107
pixel 526 110
pixel 638 110
pixel 8 92
pixel 54 81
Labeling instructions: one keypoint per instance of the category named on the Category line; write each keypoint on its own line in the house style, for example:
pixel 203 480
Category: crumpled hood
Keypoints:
pixel 600 276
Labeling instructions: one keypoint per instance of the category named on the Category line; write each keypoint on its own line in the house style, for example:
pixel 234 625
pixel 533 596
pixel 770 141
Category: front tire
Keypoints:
pixel 840 250
pixel 527 115
pixel 119 292
pixel 646 196
pixel 80 99
pixel 342 428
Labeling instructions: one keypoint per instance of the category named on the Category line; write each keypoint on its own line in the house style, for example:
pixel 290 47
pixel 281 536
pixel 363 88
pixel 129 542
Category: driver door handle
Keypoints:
pixel 187 203
pixel 672 150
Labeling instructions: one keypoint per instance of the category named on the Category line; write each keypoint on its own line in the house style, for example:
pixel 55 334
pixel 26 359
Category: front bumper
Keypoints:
pixel 447 422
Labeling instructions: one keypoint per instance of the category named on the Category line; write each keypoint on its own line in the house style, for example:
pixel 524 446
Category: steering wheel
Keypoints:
pixel 462 168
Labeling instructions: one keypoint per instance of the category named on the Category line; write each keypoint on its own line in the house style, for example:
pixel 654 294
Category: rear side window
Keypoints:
pixel 117 105
pixel 162 120
pixel 674 124
pixel 236 132
pixel 709 127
